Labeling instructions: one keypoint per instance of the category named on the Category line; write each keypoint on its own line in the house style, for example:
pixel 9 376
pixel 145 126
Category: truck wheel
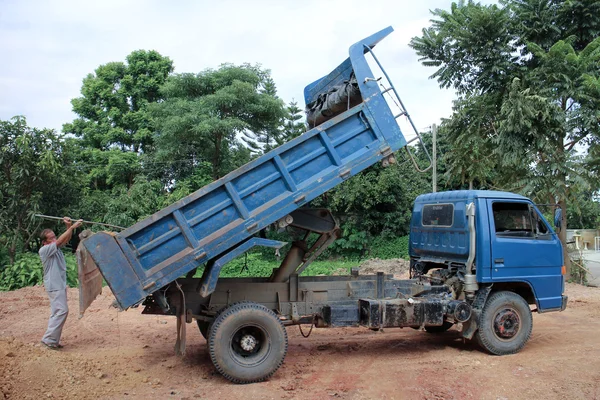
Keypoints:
pixel 505 323
pixel 439 329
pixel 205 326
pixel 247 343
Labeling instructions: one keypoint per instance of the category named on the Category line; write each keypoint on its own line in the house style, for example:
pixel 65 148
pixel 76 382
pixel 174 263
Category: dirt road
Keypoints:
pixel 126 355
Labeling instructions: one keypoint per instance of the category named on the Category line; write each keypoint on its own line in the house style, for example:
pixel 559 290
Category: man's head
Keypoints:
pixel 47 236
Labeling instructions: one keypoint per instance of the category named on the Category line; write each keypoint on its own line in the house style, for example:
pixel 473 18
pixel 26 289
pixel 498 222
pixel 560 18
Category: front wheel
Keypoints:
pixel 505 323
pixel 247 343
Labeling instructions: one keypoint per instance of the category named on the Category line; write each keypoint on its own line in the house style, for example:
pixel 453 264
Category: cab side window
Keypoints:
pixel 512 219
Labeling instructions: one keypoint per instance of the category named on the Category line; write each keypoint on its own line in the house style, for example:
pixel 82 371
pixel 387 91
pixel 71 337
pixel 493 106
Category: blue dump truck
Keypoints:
pixel 479 260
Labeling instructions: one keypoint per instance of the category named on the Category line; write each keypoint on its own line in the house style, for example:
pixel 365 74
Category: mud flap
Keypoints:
pixel 181 335
pixel 181 325
pixel 90 278
pixel 471 326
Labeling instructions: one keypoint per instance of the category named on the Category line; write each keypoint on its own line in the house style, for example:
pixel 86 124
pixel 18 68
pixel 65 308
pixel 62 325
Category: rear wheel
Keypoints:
pixel 247 343
pixel 205 326
pixel 505 324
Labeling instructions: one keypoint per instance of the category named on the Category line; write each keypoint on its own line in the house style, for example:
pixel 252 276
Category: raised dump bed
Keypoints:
pixel 226 213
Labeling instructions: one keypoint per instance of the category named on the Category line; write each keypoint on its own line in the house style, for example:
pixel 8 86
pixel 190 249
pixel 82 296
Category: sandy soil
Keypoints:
pixel 126 355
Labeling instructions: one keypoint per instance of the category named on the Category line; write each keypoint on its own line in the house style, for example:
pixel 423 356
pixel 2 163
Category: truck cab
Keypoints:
pixel 486 242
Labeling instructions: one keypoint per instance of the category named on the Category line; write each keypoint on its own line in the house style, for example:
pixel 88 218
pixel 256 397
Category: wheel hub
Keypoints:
pixel 506 324
pixel 248 342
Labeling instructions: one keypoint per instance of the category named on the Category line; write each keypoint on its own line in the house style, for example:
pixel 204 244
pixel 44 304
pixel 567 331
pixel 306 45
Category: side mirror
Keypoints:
pixel 557 218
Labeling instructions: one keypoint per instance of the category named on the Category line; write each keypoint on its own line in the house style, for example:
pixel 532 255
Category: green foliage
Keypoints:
pixel 263 140
pixel 328 267
pixel 251 265
pixel 113 107
pixel 293 125
pixel 352 243
pixel 130 205
pixel 27 270
pixel 199 178
pixel 547 21
pixel 578 271
pixel 469 158
pixel 254 265
pixel 396 247
pixel 376 202
pixel 584 212
pixel 202 114
pixel 33 179
pixel 470 44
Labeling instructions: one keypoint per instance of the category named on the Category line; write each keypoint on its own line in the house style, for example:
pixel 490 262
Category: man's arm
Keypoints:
pixel 66 236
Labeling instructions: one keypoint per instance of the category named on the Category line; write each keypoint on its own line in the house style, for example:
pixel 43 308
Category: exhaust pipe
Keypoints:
pixel 471 285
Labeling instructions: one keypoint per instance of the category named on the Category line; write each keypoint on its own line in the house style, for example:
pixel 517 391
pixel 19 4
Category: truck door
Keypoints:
pixel 525 249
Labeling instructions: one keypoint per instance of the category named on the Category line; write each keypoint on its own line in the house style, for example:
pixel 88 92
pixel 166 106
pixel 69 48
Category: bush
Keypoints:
pixel 251 266
pixel 386 248
pixel 578 270
pixel 28 271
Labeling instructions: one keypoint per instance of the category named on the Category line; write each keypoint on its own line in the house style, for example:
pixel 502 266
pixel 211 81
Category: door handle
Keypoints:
pixel 499 260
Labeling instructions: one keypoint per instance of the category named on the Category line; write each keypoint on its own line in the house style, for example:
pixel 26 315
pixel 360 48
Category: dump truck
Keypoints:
pixel 479 260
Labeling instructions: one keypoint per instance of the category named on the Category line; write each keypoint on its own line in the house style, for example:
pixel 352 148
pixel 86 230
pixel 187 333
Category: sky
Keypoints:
pixel 48 47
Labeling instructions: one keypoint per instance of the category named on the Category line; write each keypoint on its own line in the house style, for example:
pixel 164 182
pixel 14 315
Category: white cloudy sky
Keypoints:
pixel 48 47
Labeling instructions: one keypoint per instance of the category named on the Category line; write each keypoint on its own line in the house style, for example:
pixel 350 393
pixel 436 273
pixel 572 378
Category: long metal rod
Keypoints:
pixel 74 219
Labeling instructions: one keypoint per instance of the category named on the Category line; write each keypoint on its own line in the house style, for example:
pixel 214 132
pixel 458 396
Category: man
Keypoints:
pixel 55 281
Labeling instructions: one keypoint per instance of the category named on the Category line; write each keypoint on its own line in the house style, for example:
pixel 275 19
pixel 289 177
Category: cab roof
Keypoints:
pixel 454 195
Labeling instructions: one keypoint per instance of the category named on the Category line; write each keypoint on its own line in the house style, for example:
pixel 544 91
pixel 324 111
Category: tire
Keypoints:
pixel 439 329
pixel 247 343
pixel 205 326
pixel 505 323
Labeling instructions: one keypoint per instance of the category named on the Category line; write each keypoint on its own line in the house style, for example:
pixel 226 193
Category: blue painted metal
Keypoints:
pixel 213 270
pixel 217 218
pixel 530 260
pixel 534 261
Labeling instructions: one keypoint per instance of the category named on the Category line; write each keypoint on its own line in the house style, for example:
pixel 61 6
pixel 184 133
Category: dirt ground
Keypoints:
pixel 127 355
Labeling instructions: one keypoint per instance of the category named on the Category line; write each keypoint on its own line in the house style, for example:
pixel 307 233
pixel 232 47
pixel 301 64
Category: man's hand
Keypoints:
pixel 66 236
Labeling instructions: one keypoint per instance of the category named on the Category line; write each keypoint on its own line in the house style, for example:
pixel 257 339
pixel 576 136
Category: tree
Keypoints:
pixel 35 178
pixel 375 203
pixel 527 76
pixel 114 130
pixel 203 114
pixel 130 205
pixel 266 139
pixel 293 125
pixel 113 107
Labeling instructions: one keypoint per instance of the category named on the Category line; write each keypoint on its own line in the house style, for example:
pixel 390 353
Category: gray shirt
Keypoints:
pixel 55 267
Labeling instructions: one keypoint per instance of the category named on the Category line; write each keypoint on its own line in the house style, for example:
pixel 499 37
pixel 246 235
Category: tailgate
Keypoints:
pixel 90 278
